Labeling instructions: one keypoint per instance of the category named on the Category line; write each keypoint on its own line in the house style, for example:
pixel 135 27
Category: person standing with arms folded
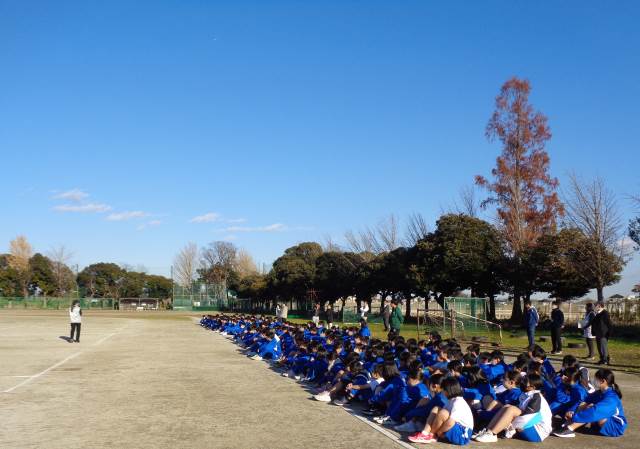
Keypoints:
pixel 601 329
pixel 75 317
pixel 557 324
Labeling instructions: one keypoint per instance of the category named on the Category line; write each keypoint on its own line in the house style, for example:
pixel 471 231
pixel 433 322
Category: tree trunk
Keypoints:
pixel 407 315
pixel 492 308
pixel 600 291
pixel 516 311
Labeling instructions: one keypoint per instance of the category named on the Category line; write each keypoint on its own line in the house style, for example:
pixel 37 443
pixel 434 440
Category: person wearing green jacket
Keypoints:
pixel 396 319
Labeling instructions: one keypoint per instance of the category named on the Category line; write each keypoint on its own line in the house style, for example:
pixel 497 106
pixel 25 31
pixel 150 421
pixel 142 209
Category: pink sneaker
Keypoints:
pixel 420 437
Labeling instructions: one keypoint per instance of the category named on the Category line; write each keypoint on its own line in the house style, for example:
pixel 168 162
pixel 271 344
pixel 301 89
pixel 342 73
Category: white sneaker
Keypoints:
pixel 409 426
pixel 285 374
pixel 487 437
pixel 478 433
pixel 509 432
pixel 256 357
pixel 391 423
pixel 323 397
pixel 381 419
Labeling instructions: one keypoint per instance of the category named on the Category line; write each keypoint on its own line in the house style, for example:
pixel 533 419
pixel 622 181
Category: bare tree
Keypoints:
pixel 244 264
pixel 469 203
pixel 20 252
pixel 218 261
pixel 592 208
pixel 60 257
pixel 362 242
pixel 384 237
pixel 185 265
pixel 329 245
pixel 416 230
pixel 388 233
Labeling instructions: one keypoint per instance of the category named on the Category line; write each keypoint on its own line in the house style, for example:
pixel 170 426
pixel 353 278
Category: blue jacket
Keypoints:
pixel 531 317
pixel 605 406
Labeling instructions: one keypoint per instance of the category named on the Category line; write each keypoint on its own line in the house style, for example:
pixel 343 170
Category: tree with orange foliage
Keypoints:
pixel 522 190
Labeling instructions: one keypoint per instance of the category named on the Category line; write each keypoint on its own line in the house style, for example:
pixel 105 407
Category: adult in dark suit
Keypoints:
pixel 601 329
pixel 557 324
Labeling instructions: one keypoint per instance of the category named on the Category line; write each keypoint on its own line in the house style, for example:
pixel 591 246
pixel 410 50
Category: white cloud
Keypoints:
pixel 89 207
pixel 148 224
pixel 236 220
pixel 76 195
pixel 127 215
pixel 276 227
pixel 206 218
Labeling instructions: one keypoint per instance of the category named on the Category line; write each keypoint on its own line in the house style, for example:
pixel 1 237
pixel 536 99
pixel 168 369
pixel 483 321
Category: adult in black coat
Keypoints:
pixel 601 329
pixel 557 324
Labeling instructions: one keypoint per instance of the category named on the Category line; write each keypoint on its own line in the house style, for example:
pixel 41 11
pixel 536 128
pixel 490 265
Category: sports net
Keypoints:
pixel 462 318
pixel 201 296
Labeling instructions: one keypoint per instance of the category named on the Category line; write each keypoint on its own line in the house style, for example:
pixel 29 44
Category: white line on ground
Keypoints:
pixel 104 338
pixel 382 431
pixel 72 356
pixel 35 376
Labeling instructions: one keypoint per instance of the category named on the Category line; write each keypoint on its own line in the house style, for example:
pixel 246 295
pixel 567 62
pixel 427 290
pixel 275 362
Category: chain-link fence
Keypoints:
pixel 201 296
pixel 52 303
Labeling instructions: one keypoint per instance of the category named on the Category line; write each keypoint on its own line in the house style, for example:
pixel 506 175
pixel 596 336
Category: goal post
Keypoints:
pixel 461 318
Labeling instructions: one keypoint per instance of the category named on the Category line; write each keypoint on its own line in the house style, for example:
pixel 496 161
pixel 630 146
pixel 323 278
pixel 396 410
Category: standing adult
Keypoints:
pixel 601 329
pixel 396 319
pixel 316 314
pixel 278 311
pixel 364 310
pixel 557 324
pixel 386 313
pixel 329 313
pixel 585 324
pixel 531 320
pixel 75 317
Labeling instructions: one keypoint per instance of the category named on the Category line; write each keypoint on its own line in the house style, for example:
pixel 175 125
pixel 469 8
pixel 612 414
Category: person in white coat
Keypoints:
pixel 75 317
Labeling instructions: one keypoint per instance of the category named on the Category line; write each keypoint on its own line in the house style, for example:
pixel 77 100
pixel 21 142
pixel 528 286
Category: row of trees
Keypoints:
pixel 24 273
pixel 540 240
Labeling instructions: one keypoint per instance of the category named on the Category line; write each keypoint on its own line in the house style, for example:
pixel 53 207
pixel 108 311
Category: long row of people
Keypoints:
pixel 434 389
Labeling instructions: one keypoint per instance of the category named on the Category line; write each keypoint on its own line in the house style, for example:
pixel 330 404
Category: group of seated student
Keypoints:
pixel 433 389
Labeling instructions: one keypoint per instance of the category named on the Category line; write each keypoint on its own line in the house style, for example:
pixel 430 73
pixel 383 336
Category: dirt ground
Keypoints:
pixel 157 380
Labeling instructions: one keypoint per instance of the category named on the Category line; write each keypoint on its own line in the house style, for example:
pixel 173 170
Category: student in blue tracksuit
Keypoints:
pixel 575 390
pixel 531 320
pixel 506 394
pixel 416 418
pixel 478 390
pixel 394 393
pixel 270 349
pixel 602 409
pixel 364 329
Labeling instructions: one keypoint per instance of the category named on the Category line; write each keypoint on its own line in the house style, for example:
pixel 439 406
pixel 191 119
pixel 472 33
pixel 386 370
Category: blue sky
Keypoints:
pixel 291 120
